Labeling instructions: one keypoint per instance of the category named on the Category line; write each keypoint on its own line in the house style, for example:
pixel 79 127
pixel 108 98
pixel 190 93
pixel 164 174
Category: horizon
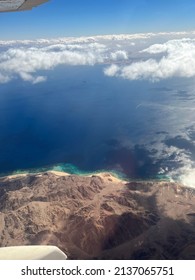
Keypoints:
pixel 161 33
pixel 60 18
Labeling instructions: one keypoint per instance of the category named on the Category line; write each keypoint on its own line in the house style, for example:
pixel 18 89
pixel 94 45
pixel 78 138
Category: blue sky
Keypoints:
pixel 59 18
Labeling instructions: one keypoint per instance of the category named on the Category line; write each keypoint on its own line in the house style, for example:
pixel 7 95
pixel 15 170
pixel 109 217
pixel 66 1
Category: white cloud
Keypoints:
pixel 25 62
pixel 111 70
pixel 119 55
pixel 25 59
pixel 33 79
pixel 173 58
pixel 177 60
pixel 130 38
pixel 188 177
pixel 170 46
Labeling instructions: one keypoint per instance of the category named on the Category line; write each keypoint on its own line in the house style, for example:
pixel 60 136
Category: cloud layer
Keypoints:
pixel 175 58
pixel 25 61
pixel 133 57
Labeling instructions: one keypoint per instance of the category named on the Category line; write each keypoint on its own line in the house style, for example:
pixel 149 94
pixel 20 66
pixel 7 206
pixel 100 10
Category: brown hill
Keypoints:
pixel 98 216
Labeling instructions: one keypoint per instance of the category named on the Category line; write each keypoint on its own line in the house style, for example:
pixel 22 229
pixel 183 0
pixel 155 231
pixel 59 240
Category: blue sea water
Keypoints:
pixel 82 121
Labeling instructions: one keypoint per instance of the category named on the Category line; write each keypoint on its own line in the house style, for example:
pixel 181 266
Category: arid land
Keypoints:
pixel 98 216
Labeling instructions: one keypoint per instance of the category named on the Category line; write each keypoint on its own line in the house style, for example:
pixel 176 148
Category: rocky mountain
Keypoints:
pixel 98 216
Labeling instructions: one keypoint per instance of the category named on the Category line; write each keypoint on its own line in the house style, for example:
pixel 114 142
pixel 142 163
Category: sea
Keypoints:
pixel 81 121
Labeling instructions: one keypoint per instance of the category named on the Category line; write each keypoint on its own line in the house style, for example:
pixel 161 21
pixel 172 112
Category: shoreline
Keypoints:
pixel 108 175
pixel 66 169
pixel 104 175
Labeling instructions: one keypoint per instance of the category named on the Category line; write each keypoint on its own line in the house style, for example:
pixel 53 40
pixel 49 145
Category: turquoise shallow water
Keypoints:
pixel 67 168
pixel 71 169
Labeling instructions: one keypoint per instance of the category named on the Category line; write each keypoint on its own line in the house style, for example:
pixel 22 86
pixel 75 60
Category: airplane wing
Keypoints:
pixel 19 5
pixel 32 253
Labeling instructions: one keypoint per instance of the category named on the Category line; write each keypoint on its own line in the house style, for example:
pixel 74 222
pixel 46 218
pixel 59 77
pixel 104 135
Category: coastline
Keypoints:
pixel 108 176
pixel 67 169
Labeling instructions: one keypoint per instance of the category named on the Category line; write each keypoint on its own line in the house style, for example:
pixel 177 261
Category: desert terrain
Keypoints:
pixel 98 216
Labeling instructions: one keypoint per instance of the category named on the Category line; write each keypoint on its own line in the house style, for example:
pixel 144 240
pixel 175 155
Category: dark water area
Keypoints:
pixel 83 118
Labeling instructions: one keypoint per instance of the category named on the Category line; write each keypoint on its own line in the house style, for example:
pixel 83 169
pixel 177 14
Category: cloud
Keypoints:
pixel 25 62
pixel 4 78
pixel 111 70
pixel 119 55
pixel 175 58
pixel 33 79
pixel 143 60
pixel 93 39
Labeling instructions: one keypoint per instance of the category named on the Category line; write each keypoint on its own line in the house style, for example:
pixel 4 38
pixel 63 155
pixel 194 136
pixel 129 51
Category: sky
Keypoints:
pixel 61 18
